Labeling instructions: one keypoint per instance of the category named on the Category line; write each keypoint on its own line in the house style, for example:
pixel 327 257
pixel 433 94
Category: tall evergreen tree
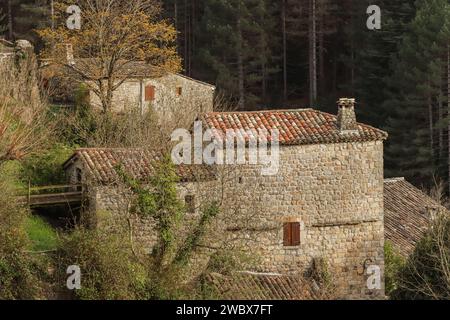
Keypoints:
pixel 24 16
pixel 235 47
pixel 372 62
pixel 416 93
pixel 3 26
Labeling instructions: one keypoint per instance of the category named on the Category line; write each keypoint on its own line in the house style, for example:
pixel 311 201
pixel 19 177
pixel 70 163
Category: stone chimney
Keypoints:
pixel 69 53
pixel 346 118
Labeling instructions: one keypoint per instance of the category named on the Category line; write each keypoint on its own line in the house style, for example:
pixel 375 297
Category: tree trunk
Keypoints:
pixel 448 110
pixel 10 22
pixel 321 52
pixel 240 61
pixel 430 126
pixel 175 16
pixel 440 119
pixel 192 31
pixel 264 60
pixel 186 39
pixel 283 23
pixel 263 73
pixel 312 53
pixel 189 22
pixel 52 12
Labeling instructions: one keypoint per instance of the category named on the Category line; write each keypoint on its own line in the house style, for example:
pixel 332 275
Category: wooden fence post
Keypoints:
pixel 29 192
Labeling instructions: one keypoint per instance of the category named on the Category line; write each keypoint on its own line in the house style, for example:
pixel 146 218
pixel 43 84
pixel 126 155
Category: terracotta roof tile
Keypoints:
pixel 253 286
pixel 101 163
pixel 296 126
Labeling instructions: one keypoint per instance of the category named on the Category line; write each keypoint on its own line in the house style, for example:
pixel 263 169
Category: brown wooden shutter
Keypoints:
pixel 291 234
pixel 149 93
pixel 295 231
pixel 287 238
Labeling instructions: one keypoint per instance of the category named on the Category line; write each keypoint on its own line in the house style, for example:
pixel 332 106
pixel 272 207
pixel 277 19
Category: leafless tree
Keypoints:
pixel 24 123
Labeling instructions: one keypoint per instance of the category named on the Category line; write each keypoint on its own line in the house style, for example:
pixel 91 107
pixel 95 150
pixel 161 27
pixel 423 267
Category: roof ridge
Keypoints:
pixel 395 179
pixel 264 111
pixel 296 126
pixel 109 148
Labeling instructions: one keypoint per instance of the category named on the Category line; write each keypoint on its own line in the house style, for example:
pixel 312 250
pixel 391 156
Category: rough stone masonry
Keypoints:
pixel 326 202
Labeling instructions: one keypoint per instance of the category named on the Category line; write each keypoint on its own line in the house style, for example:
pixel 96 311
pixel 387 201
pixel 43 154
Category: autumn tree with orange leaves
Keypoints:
pixel 113 35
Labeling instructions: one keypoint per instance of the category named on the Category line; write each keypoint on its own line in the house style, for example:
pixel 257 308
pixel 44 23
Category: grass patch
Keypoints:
pixel 42 236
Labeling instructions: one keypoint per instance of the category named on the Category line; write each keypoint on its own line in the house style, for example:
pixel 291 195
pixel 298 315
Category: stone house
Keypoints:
pixel 325 202
pixel 165 92
pixel 96 170
pixel 140 86
pixel 10 50
pixel 6 50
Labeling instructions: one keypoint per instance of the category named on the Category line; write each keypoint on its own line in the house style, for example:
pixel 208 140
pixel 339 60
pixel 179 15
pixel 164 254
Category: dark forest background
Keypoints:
pixel 269 54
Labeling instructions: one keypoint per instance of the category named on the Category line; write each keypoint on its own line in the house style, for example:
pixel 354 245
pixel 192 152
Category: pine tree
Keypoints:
pixel 374 53
pixel 3 26
pixel 235 47
pixel 416 91
pixel 24 16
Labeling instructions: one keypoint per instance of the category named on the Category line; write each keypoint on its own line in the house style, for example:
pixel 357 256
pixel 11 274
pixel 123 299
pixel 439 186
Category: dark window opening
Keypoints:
pixel 190 203
pixel 79 178
pixel 179 91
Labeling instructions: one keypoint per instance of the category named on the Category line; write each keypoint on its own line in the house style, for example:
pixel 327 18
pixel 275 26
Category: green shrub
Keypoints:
pixel 109 270
pixel 42 236
pixel 46 168
pixel 18 278
pixel 10 174
pixel 426 273
pixel 393 263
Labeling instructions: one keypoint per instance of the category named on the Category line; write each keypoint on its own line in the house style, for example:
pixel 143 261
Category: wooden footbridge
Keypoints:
pixel 53 195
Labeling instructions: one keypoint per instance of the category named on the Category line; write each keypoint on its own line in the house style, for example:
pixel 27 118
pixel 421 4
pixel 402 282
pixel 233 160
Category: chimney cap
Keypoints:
pixel 69 53
pixel 346 118
pixel 346 102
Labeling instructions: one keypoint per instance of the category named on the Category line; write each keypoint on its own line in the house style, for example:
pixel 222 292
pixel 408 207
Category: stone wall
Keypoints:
pixel 112 202
pixel 195 98
pixel 334 191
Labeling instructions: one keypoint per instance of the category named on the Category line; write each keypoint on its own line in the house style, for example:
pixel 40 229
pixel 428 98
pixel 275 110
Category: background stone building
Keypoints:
pixel 142 87
pixel 325 203
pixel 166 94
pixel 6 50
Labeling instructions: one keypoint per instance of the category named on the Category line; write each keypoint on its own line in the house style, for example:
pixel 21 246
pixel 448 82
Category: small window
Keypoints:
pixel 291 234
pixel 179 91
pixel 190 203
pixel 79 177
pixel 149 93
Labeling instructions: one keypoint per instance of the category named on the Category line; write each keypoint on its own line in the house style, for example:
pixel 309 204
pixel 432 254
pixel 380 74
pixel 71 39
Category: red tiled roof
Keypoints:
pixel 101 164
pixel 251 286
pixel 296 126
pixel 405 214
pixel 130 69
